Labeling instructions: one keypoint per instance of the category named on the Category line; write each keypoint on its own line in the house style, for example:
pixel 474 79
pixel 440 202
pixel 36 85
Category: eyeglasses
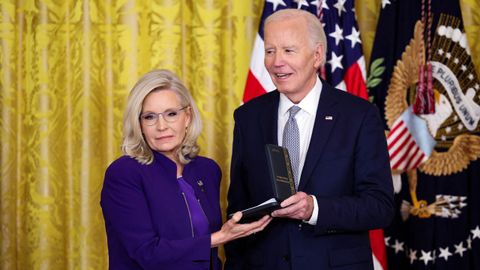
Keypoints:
pixel 169 116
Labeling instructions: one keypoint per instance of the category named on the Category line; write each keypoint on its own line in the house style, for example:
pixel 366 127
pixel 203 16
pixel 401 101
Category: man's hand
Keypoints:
pixel 298 206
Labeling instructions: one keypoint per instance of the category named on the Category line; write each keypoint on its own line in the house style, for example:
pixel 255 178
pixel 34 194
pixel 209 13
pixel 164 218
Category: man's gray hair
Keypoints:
pixel 314 27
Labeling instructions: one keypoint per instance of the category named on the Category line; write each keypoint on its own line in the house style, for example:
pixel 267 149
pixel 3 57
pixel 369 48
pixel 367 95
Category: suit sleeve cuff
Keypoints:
pixel 314 217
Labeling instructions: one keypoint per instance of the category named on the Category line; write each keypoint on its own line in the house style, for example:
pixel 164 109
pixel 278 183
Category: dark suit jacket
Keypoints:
pixel 346 168
pixel 147 219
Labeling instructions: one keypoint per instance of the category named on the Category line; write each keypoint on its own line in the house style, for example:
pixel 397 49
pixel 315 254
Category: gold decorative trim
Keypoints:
pixel 465 149
pixel 405 75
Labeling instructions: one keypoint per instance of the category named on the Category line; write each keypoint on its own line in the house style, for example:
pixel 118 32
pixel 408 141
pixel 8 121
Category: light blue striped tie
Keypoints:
pixel 291 140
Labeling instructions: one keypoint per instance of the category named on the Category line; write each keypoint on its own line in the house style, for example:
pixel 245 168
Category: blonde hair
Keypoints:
pixel 314 27
pixel 134 143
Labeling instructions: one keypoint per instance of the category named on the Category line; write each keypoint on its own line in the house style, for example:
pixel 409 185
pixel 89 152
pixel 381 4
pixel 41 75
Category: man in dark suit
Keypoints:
pixel 339 157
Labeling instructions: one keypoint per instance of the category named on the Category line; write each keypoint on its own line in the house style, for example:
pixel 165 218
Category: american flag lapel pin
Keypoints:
pixel 329 117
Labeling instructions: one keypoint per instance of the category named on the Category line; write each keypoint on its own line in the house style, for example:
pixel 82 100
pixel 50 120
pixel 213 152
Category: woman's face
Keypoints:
pixel 164 122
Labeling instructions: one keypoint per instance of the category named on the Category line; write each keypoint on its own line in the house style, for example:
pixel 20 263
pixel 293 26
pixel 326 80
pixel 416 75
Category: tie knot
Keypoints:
pixel 294 110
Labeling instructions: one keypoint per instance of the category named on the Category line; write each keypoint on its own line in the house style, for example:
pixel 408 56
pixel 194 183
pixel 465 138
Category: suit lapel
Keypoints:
pixel 327 115
pixel 268 119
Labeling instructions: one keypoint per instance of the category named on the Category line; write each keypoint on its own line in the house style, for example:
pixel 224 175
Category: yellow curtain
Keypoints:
pixel 66 69
pixel 471 20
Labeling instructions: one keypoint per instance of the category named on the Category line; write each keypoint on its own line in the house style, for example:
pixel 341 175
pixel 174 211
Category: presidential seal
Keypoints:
pixel 445 140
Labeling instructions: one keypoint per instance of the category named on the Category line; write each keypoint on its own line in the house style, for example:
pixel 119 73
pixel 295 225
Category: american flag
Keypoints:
pixel 344 68
pixel 409 142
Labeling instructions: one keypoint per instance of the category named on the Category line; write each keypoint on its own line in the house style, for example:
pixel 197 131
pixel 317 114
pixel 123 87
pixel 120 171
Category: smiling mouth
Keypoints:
pixel 282 75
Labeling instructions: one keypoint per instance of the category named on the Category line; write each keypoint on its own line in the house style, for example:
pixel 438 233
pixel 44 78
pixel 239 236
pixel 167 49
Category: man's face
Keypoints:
pixel 290 57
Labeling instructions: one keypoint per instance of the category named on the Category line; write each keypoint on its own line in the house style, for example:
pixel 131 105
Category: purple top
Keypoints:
pixel 195 211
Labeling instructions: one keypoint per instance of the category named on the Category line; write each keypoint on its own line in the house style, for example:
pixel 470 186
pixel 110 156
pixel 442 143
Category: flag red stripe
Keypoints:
pixel 253 88
pixel 378 246
pixel 412 147
pixel 402 133
pixel 412 157
pixel 396 126
pixel 354 81
pixel 399 149
pixel 405 154
pixel 420 158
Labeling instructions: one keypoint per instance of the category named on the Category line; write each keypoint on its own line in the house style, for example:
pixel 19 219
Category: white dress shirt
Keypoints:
pixel 305 121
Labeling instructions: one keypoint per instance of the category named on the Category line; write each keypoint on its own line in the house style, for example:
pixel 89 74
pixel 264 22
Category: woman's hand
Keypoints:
pixel 232 229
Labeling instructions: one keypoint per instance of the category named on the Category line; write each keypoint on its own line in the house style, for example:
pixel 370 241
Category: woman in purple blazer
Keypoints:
pixel 160 200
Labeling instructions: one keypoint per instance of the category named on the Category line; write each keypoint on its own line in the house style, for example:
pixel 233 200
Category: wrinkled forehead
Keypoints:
pixel 286 33
pixel 297 22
